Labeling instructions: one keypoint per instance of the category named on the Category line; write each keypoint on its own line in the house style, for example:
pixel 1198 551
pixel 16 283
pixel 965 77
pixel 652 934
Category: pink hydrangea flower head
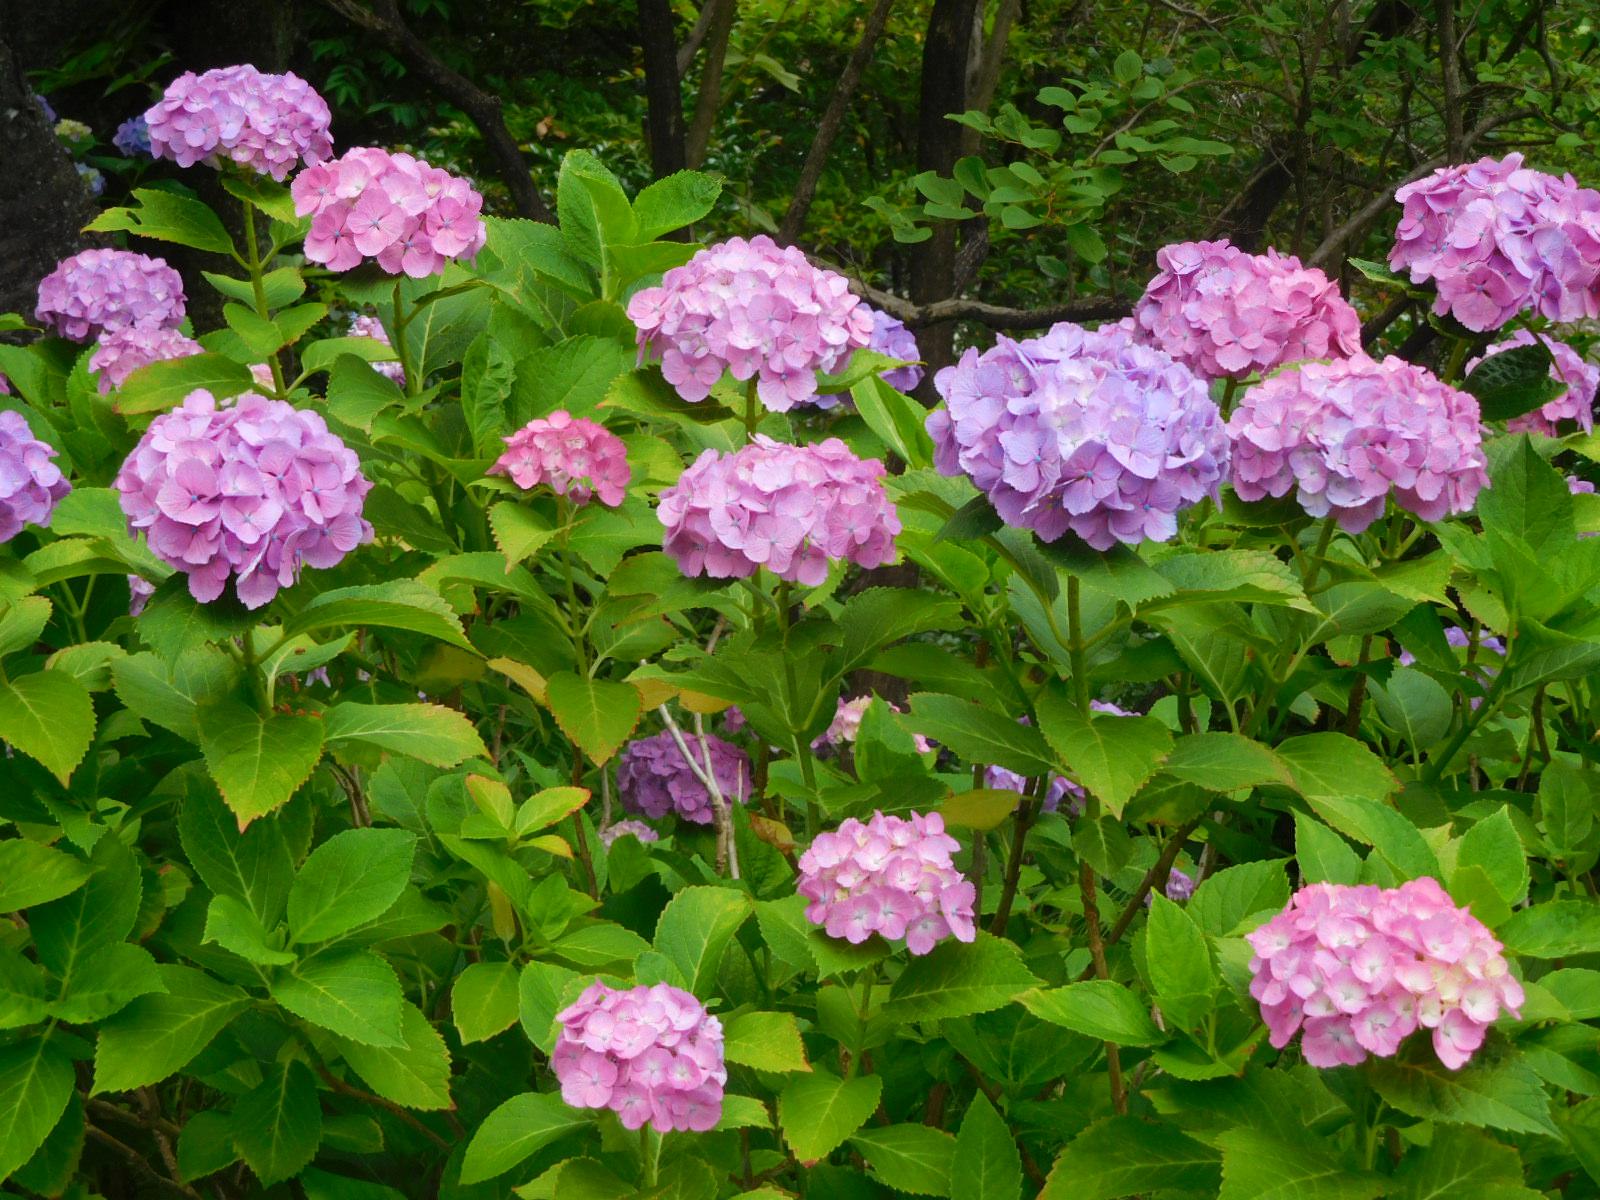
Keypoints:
pixel 628 828
pixel 572 456
pixel 1060 787
pixel 791 509
pixel 753 308
pixel 31 485
pixel 1082 431
pixel 268 123
pixel 891 337
pixel 252 490
pixel 395 209
pixel 96 291
pixel 1497 238
pixel 1567 367
pixel 1356 970
pixel 1346 435
pixel 654 779
pixel 652 1055
pixel 891 876
pixel 121 352
pixel 1225 313
pixel 370 327
pixel 846 725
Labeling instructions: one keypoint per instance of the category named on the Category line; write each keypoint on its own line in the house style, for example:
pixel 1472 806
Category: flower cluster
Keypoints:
pixel 1345 435
pixel 30 484
pixel 392 208
pixel 791 509
pixel 1080 430
pixel 572 456
pixel 891 876
pixel 1060 787
pixel 1480 670
pixel 654 778
pixel 99 290
pixel 889 337
pixel 634 829
pixel 846 725
pixel 94 182
pixel 649 1054
pixel 121 352
pixel 269 123
pixel 365 326
pixel 1359 969
pixel 1225 313
pixel 133 138
pixel 254 489
pixel 1567 367
pixel 754 308
pixel 1497 238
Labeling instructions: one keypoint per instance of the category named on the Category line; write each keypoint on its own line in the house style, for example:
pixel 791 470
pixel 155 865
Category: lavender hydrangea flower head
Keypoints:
pixel 791 509
pixel 1346 435
pixel 99 290
pixel 269 123
pixel 121 352
pixel 753 308
pixel 1059 787
pixel 133 138
pixel 253 490
pixel 365 326
pixel 627 828
pixel 845 727
pixel 31 485
pixel 1497 238
pixel 572 456
pixel 1225 313
pixel 654 779
pixel 889 337
pixel 652 1055
pixel 1568 367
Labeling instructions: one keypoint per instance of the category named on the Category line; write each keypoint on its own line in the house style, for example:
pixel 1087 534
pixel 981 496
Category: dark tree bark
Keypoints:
pixel 709 101
pixel 662 91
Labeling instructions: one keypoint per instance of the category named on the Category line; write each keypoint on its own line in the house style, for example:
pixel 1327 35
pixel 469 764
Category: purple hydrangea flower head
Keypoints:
pixel 1082 431
pixel 652 1055
pixel 1060 787
pixel 133 138
pixel 891 876
pixel 1356 970
pixel 1346 435
pixel 121 352
pixel 1180 886
pixel 572 456
pixel 654 779
pixel 1497 238
pixel 94 182
pixel 791 509
pixel 31 485
pixel 891 337
pixel 1568 367
pixel 753 308
pixel 99 290
pixel 365 326
pixel 628 828
pixel 1482 671
pixel 139 592
pixel 252 490
pixel 1225 313
pixel 843 730
pixel 269 123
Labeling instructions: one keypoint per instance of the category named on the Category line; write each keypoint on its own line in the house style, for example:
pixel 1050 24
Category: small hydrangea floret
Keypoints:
pixel 121 352
pixel 268 123
pixel 654 778
pixel 891 338
pixel 96 291
pixel 637 830
pixel 1568 368
pixel 30 482
pixel 574 457
pixel 133 138
pixel 363 325
pixel 845 727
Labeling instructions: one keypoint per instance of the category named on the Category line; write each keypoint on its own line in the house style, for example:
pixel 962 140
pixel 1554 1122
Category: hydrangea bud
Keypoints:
pixel 121 352
pixel 572 456
pixel 95 291
pixel 627 828
pixel 654 779
pixel 889 337
pixel 365 326
pixel 1567 367
pixel 268 123
pixel 31 484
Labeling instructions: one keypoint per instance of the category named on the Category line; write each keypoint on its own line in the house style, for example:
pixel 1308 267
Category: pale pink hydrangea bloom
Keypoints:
pixel 31 485
pixel 572 456
pixel 846 725
pixel 1567 366
pixel 627 828
pixel 121 352
pixel 269 123
pixel 95 291
pixel 654 779
pixel 365 326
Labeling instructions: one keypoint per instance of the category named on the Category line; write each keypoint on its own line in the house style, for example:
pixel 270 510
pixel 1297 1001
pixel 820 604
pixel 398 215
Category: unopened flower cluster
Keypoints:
pixel 269 123
pixel 395 209
pixel 253 490
pixel 654 778
pixel 1345 435
pixel 1567 367
pixel 627 828
pixel 845 727
pixel 652 1055
pixel 791 509
pixel 755 309
pixel 362 325
pixel 572 456
pixel 1497 238
pixel 891 876
pixel 121 352
pixel 1059 787
pixel 891 338
pixel 1356 970
pixel 1082 431
pixel 30 482
pixel 99 290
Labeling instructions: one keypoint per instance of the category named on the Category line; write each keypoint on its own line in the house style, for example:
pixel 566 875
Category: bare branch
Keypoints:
pixel 709 99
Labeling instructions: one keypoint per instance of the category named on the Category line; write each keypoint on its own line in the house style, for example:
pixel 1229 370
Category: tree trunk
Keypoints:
pixel 662 90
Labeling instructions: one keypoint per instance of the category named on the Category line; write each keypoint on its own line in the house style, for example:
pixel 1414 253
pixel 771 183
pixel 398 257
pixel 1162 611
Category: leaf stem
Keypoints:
pixel 258 289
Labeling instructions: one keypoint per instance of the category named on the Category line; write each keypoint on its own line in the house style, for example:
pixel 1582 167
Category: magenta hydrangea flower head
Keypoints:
pixel 891 337
pixel 891 876
pixel 753 308
pixel 96 291
pixel 1346 435
pixel 846 726
pixel 395 209
pixel 1567 367
pixel 1497 238
pixel 1082 431
pixel 791 509
pixel 652 1055
pixel 254 489
pixel 121 352
pixel 1356 970
pixel 269 123
pixel 654 779
pixel 1225 313
pixel 627 828
pixel 31 484
pixel 370 327
pixel 572 456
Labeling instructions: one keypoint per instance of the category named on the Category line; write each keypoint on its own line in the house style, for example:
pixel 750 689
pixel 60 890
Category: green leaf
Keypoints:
pixel 1568 798
pixel 694 930
pixel 106 981
pixel 484 1000
pixel 231 925
pixel 1098 1008
pixel 1529 501
pixel 817 1112
pixel 896 419
pixel 164 384
pixel 574 374
pixel 1396 839
pixel 674 201
pixel 1257 1165
pixel 980 735
pixel 973 520
pixel 1179 958
pixel 158 1034
pixel 1128 67
pixel 518 530
pixel 1415 705
pixel 768 1041
pixel 205 1145
pixel 415 1075
pixel 350 879
pixel 986 1164
pixel 909 1158
pixel 54 1164
pixel 277 1126
pixel 431 732
pixel 515 1131
pixel 356 392
pixel 22 621
pixel 282 287
pixel 1245 575
pixel 254 867
pixel 1124 1156
pixel 49 716
pixel 33 874
pixel 36 1081
pixel 258 762
pixel 960 978
pixel 68 931
pixel 596 714
pixel 1513 382
pixel 1112 756
pixel 1492 843
pixel 167 217
pixel 1331 764
pixel 1460 1163
pixel 400 604
pixel 1553 929
pixel 1493 1091
pixel 22 989
pixel 1322 855
pixel 355 994
pixel 1227 898
pixel 1224 762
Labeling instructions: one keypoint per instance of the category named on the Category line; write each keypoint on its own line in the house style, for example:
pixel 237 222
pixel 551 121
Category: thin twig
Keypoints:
pixel 1097 951
pixel 140 1166
pixel 366 1097
pixel 1155 877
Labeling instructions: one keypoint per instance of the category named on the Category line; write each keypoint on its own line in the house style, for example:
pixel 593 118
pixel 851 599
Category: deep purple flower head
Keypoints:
pixel 654 779
pixel 892 876
pixel 1226 314
pixel 628 828
pixel 133 138
pixel 572 456
pixel 891 337
pixel 99 290
pixel 1080 430
pixel 254 489
pixel 365 326
pixel 121 352
pixel 392 208
pixel 846 726
pixel 791 509
pixel 1497 239
pixel 756 309
pixel 1060 787
pixel 1567 366
pixel 1358 969
pixel 269 123
pixel 1345 435
pixel 30 483
pixel 652 1055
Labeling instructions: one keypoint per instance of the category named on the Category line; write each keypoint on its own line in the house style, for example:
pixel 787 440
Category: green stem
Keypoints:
pixel 258 289
pixel 1228 390
pixel 1080 677
pixel 1324 540
pixel 802 749
pixel 649 1149
pixel 1473 719
pixel 579 641
pixel 413 385
pixel 1458 355
pixel 752 410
